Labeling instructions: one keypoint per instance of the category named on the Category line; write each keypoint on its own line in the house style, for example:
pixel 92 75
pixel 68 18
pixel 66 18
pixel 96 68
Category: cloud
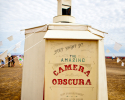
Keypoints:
pixel 105 15
pixel 101 13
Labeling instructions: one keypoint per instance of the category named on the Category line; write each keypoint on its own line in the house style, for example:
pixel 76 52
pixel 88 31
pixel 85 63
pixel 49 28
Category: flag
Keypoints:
pixel 20 61
pixel 18 57
pixel 118 60
pixel 3 55
pixel 122 64
pixel 1 43
pixel 107 50
pixel 18 45
pixel 22 31
pixel 113 56
pixel 10 38
pixel 14 50
pixel 9 54
pixel 117 46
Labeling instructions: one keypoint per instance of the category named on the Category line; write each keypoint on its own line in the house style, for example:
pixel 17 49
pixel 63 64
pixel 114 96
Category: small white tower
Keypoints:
pixel 74 51
pixel 64 12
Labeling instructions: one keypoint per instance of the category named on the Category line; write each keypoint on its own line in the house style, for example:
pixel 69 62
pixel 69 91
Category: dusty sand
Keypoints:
pixel 115 80
pixel 11 80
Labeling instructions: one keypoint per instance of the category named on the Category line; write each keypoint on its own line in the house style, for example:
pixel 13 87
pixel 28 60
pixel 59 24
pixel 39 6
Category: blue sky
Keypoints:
pixel 105 15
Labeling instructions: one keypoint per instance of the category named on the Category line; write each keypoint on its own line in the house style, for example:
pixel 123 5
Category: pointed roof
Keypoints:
pixel 66 28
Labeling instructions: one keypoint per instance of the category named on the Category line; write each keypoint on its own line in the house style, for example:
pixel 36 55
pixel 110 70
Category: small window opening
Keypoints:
pixel 66 9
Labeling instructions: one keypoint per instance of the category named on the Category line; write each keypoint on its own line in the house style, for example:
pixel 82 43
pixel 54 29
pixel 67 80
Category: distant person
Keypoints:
pixel 122 58
pixel 13 61
pixel 112 58
pixel 8 61
pixel 2 63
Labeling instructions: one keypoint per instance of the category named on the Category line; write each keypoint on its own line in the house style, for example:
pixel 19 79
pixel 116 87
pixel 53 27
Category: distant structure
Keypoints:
pixel 64 60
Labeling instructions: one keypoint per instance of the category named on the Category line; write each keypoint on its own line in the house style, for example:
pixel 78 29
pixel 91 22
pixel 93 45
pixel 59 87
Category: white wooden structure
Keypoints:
pixel 34 55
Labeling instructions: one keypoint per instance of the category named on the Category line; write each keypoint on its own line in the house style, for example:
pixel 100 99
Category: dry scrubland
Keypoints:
pixel 11 79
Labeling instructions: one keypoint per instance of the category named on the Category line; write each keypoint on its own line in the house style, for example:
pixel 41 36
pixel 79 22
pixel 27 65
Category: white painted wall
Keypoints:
pixel 34 59
pixel 33 69
pixel 102 79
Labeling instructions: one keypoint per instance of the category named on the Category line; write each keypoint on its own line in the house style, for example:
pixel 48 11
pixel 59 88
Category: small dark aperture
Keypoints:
pixel 66 9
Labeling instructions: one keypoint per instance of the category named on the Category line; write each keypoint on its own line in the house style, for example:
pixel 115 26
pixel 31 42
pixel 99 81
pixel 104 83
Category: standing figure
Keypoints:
pixel 2 63
pixel 11 61
pixel 112 58
pixel 8 61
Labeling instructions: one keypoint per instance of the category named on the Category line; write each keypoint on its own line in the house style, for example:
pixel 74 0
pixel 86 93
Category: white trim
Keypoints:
pixel 69 27
pixel 37 29
pixel 96 32
pixel 62 34
pixel 102 79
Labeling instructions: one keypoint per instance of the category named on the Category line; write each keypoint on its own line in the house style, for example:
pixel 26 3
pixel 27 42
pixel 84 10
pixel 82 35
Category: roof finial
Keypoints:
pixel 64 12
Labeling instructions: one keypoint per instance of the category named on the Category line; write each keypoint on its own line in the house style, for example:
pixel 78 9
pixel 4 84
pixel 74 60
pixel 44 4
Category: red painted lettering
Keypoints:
pixel 81 82
pixel 81 68
pixel 59 81
pixel 61 70
pixel 65 82
pixel 68 67
pixel 74 67
pixel 88 82
pixel 87 73
pixel 75 83
pixel 69 82
pixel 71 67
pixel 54 81
pixel 55 73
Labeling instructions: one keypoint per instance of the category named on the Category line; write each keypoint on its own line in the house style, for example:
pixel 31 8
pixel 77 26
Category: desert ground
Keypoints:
pixel 11 80
pixel 115 80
